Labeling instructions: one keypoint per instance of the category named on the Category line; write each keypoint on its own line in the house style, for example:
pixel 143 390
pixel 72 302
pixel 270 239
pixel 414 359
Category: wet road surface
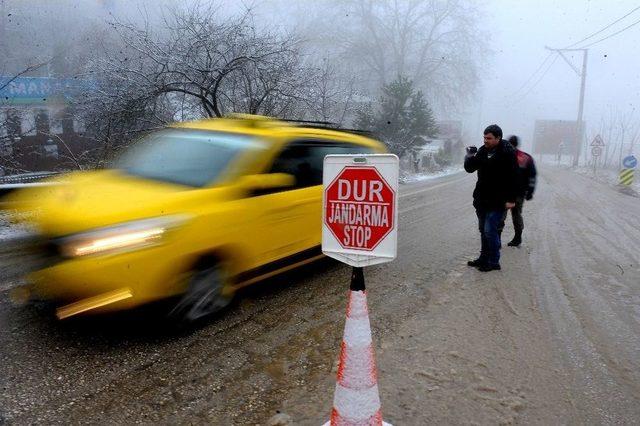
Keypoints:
pixel 552 338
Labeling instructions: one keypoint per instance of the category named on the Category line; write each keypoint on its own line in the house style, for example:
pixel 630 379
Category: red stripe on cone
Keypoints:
pixel 357 401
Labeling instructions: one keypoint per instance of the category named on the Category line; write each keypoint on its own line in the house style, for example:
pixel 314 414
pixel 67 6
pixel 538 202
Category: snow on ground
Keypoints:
pixel 422 177
pixel 553 335
pixel 608 176
pixel 10 230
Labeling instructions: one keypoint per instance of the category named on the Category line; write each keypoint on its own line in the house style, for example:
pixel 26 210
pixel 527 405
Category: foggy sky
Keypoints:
pixel 521 29
pixel 518 30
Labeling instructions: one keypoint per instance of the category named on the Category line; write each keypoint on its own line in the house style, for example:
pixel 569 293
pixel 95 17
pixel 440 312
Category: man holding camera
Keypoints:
pixel 495 192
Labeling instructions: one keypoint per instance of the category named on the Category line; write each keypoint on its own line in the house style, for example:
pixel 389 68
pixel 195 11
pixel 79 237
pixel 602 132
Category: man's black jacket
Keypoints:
pixel 497 176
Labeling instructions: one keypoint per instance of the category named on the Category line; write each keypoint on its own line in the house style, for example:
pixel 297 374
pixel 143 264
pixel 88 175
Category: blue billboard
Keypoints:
pixel 40 89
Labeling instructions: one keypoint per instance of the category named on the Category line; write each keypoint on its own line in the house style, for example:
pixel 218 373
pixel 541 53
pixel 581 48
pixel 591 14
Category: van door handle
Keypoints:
pixel 295 204
pixel 305 202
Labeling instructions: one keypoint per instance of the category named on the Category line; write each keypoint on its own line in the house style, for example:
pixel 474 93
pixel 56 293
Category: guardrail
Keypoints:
pixel 26 177
pixel 27 180
pixel 10 187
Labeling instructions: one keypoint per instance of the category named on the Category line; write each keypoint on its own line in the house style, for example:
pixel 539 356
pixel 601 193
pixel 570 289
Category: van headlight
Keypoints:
pixel 124 237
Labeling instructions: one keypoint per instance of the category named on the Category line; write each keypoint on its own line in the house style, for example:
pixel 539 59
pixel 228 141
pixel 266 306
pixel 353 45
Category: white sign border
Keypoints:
pixel 354 257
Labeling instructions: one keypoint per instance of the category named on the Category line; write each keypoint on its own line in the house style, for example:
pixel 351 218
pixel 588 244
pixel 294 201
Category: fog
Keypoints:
pixel 520 32
pixel 473 62
pixel 180 181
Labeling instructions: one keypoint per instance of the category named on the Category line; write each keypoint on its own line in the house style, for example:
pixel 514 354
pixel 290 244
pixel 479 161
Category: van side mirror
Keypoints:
pixel 268 182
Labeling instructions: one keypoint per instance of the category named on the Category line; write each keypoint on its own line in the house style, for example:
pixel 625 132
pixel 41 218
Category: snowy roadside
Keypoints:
pixel 422 177
pixel 14 253
pixel 10 230
pixel 609 177
pixel 5 225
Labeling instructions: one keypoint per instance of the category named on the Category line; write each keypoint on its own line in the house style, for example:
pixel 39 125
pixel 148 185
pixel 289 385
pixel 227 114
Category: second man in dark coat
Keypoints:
pixel 526 187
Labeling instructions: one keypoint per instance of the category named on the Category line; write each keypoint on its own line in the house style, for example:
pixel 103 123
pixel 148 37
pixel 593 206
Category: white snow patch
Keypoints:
pixel 10 230
pixel 612 177
pixel 421 177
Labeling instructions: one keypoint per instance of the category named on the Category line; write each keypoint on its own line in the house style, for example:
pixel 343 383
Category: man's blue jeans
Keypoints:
pixel 489 224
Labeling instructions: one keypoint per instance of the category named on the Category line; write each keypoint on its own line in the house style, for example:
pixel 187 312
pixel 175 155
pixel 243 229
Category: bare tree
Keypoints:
pixel 193 65
pixel 333 95
pixel 628 131
pixel 114 114
pixel 619 130
pixel 219 65
pixel 436 43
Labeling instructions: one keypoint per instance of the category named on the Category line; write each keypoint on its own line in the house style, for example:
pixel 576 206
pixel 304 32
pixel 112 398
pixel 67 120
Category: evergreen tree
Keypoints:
pixel 402 119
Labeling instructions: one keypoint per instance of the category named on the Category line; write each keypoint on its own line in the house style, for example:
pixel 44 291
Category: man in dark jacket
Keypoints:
pixel 495 192
pixel 526 187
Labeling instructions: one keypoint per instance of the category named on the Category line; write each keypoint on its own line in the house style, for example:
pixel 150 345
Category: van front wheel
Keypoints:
pixel 204 296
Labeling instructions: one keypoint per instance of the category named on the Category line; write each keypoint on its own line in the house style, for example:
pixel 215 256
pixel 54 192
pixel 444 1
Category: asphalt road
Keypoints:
pixel 553 338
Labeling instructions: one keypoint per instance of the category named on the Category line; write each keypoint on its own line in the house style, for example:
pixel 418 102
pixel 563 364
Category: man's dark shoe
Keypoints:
pixel 515 242
pixel 486 267
pixel 475 263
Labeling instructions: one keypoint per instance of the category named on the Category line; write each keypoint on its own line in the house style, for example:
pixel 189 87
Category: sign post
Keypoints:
pixel 629 165
pixel 596 150
pixel 359 228
pixel 630 162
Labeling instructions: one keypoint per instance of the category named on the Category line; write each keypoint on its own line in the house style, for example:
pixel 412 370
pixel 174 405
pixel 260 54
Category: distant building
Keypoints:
pixel 431 146
pixel 555 136
pixel 449 129
pixel 422 157
pixel 34 116
pixel 431 154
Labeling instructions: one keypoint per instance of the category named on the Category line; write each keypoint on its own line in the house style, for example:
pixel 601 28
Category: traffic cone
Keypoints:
pixel 357 401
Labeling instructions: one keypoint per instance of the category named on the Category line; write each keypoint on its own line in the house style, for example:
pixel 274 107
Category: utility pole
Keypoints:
pixel 583 76
pixel 3 29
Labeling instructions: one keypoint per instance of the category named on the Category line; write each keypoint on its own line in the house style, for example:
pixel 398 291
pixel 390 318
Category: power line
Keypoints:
pixel 541 77
pixel 614 34
pixel 603 29
pixel 538 81
pixel 542 64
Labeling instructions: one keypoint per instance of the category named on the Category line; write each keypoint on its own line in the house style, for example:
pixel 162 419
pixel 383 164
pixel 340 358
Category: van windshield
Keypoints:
pixel 184 156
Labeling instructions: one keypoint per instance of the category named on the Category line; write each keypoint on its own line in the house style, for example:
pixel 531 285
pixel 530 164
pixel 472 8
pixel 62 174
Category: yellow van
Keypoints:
pixel 194 211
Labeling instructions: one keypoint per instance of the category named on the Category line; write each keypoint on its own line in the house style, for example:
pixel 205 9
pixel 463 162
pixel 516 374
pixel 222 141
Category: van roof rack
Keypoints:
pixel 326 125
pixel 319 123
pixel 261 120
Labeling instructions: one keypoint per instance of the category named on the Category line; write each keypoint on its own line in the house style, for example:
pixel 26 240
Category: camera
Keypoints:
pixel 471 149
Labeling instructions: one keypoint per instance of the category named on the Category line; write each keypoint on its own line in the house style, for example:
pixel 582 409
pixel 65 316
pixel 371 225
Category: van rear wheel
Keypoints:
pixel 204 296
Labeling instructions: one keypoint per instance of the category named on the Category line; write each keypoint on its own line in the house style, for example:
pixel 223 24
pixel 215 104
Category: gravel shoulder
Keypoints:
pixel 552 338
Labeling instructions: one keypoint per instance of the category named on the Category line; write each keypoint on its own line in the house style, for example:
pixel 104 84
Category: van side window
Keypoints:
pixel 304 159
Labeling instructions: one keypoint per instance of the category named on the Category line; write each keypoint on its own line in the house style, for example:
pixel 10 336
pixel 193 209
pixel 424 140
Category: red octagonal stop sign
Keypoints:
pixel 359 207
